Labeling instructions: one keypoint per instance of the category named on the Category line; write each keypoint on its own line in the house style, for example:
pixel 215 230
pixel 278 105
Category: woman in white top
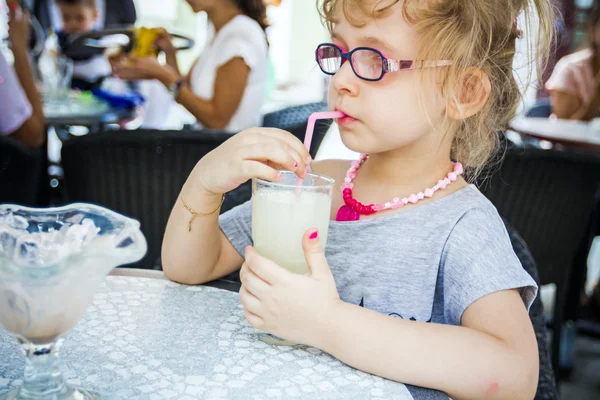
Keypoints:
pixel 226 87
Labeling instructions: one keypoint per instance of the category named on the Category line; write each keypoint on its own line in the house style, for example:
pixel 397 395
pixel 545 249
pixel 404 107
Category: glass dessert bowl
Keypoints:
pixel 52 262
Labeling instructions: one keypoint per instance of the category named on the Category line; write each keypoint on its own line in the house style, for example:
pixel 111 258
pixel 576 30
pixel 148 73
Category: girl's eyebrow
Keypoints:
pixel 369 41
pixel 377 43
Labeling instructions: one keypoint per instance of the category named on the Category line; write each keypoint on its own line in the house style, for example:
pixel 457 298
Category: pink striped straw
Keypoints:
pixel 310 129
pixel 312 120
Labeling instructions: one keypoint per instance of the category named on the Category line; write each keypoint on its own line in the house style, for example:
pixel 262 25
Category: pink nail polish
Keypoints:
pixel 279 176
pixel 314 235
pixel 296 165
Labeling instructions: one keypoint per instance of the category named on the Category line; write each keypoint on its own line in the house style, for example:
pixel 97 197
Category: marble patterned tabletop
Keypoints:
pixel 154 339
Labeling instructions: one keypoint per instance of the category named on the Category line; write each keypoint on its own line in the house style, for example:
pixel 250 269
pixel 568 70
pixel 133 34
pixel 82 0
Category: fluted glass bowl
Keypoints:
pixel 52 262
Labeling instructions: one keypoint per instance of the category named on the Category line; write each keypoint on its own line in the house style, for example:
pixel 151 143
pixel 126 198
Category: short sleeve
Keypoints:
pixel 560 78
pixel 478 260
pixel 250 45
pixel 14 106
pixel 573 74
pixel 236 224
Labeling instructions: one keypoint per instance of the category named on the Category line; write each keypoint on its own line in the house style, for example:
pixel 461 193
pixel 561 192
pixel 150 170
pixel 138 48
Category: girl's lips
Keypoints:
pixel 346 120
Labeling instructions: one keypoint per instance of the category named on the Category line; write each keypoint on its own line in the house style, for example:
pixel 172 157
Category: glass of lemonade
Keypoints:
pixel 282 212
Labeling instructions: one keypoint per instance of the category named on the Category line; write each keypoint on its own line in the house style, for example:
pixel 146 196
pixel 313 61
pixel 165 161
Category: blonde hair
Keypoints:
pixel 474 33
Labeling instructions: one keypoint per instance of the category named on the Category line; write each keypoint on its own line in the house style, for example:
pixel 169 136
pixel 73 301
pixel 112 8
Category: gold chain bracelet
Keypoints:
pixel 197 214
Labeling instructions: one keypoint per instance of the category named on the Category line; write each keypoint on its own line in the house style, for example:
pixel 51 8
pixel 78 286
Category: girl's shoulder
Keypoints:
pixel 579 57
pixel 572 63
pixel 245 29
pixel 242 25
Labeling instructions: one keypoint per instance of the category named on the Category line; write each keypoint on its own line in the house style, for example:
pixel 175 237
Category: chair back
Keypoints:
pixel 549 197
pixel 541 109
pixel 547 389
pixel 21 173
pixel 139 174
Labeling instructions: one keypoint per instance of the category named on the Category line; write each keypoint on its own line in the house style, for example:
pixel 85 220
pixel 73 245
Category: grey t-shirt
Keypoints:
pixel 427 264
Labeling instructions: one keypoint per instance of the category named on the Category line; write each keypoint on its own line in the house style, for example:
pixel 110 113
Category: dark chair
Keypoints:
pixel 117 13
pixel 139 174
pixel 541 109
pixel 295 120
pixel 548 196
pixel 21 173
pixel 547 382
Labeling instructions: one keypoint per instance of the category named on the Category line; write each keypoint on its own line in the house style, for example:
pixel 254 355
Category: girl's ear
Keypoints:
pixel 471 95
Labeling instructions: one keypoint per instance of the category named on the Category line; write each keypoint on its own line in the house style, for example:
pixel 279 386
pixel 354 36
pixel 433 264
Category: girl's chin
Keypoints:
pixel 353 140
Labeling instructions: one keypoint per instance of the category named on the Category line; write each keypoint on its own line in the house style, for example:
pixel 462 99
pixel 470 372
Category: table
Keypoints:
pixel 574 134
pixel 146 338
pixel 109 115
pixel 84 111
pixel 95 116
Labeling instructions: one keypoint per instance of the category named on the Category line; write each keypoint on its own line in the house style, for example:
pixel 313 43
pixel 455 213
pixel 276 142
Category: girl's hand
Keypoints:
pixel 164 43
pixel 19 28
pixel 115 56
pixel 254 153
pixel 133 68
pixel 289 305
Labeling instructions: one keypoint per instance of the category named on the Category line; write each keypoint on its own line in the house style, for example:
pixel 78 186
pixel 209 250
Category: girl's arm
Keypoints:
pixel 171 60
pixel 216 113
pixel 489 352
pixel 33 131
pixel 568 106
pixel 195 250
pixel 492 356
pixel 164 43
pixel 229 88
pixel 564 105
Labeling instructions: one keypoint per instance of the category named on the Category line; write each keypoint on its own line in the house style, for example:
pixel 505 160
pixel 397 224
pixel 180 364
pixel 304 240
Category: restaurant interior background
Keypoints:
pixel 295 80
pixel 295 25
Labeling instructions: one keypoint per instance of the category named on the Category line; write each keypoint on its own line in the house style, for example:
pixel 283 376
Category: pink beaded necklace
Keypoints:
pixel 353 209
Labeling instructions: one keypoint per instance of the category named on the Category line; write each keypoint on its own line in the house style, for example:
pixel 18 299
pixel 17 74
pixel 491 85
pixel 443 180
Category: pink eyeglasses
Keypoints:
pixel 367 63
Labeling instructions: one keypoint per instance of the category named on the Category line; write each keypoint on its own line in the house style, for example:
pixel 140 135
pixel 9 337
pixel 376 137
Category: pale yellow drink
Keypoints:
pixel 282 213
pixel 281 218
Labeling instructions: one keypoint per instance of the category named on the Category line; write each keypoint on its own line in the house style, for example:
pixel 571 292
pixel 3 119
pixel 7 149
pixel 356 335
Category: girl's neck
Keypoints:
pixel 221 15
pixel 402 174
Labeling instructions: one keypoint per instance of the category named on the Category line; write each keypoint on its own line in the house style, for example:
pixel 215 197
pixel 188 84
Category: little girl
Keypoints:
pixel 419 282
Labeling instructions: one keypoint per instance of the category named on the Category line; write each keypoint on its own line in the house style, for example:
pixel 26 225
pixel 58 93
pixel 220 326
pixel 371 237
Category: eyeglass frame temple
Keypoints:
pixel 396 65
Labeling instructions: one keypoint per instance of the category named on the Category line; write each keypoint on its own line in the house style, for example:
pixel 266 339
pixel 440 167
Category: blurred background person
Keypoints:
pixel 21 110
pixel 574 85
pixel 226 86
